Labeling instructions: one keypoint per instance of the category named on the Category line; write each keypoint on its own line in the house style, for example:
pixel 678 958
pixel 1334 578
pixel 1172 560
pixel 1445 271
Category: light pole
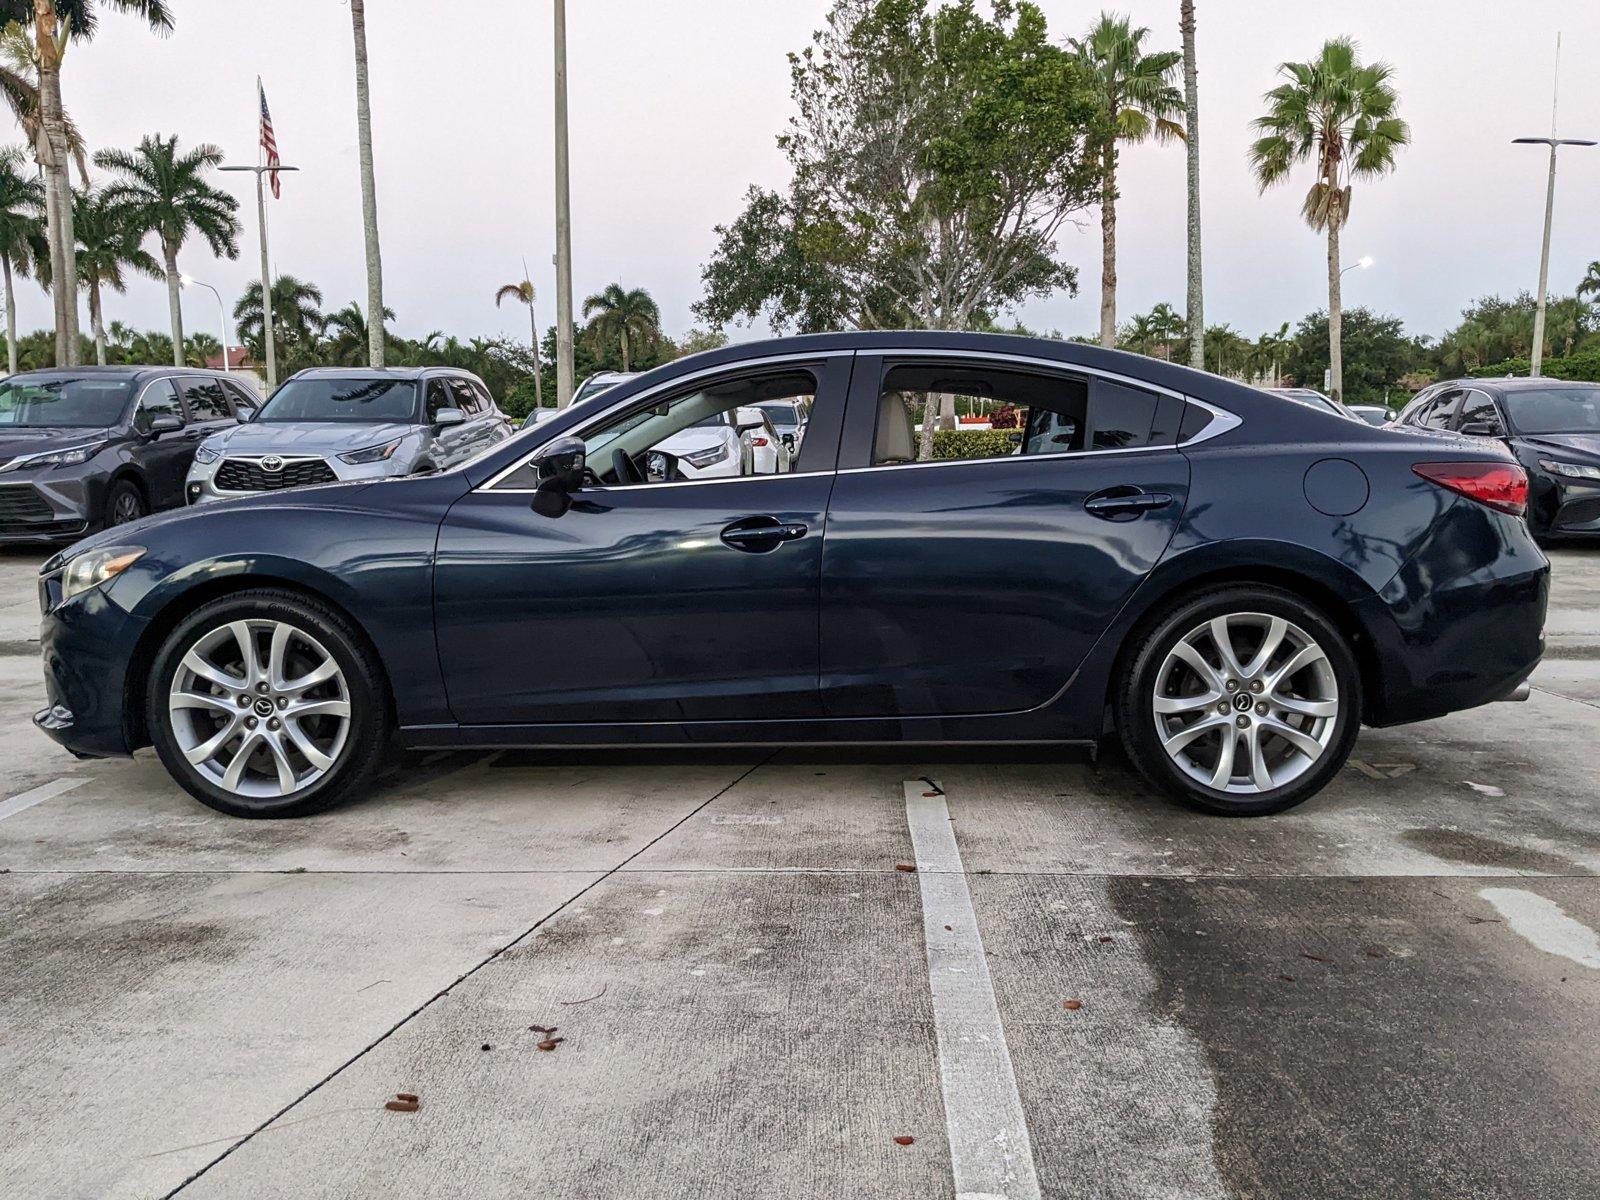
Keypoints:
pixel 1554 143
pixel 1360 264
pixel 266 272
pixel 222 315
pixel 564 368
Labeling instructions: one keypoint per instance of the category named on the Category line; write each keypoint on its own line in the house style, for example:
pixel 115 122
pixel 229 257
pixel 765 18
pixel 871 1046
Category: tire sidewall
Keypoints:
pixel 119 489
pixel 1136 713
pixel 367 714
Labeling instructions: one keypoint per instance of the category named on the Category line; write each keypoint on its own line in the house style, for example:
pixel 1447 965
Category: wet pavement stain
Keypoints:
pixel 1455 845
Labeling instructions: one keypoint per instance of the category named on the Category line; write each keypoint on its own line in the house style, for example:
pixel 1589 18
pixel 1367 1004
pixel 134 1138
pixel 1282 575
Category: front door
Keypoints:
pixel 656 597
pixel 163 457
pixel 972 571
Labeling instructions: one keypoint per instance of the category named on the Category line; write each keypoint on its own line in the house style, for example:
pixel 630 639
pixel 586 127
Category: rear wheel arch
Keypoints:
pixel 180 607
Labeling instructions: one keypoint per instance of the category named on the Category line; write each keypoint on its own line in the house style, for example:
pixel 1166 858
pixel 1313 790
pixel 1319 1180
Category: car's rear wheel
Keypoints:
pixel 267 704
pixel 124 503
pixel 1244 701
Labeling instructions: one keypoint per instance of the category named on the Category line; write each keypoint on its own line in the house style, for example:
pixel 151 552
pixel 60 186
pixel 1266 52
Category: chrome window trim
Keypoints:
pixel 1222 420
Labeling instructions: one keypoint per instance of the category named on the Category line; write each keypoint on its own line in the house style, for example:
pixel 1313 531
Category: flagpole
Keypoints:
pixel 268 340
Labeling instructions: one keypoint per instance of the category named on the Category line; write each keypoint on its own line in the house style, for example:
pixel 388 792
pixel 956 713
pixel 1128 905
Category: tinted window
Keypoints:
pixel 160 399
pixel 243 399
pixel 1441 412
pixel 206 400
pixel 467 400
pixel 60 401
pixel 1555 409
pixel 485 401
pixel 1028 414
pixel 783 414
pixel 1478 409
pixel 342 400
pixel 439 399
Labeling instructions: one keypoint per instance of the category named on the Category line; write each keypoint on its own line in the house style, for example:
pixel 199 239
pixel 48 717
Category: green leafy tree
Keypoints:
pixel 200 348
pixel 169 196
pixel 109 247
pixel 1340 115
pixel 1225 350
pixel 348 337
pixel 1139 100
pixel 1380 353
pixel 628 317
pixel 297 320
pixel 1589 285
pixel 698 341
pixel 935 155
pixel 21 234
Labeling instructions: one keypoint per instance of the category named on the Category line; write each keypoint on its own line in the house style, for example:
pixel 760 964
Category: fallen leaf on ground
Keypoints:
pixel 1315 957
pixel 950 927
pixel 905 866
pixel 486 1046
pixel 1287 978
pixel 551 1043
pixel 542 1028
pixel 411 1097
pixel 402 1105
pixel 1072 1005
pixel 903 1140
pixel 1374 953
pixel 1105 939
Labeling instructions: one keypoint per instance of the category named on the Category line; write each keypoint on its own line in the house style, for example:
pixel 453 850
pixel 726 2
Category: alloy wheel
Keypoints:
pixel 260 708
pixel 127 508
pixel 1246 703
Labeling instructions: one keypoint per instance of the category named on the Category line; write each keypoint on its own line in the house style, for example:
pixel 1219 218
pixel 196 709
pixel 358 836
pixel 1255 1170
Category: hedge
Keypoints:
pixel 975 443
pixel 1583 366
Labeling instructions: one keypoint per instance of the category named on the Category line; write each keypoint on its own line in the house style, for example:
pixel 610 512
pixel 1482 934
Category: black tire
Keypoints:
pixel 1136 694
pixel 124 503
pixel 369 722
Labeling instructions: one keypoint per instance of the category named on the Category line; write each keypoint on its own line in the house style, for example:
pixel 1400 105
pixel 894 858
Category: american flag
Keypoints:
pixel 268 142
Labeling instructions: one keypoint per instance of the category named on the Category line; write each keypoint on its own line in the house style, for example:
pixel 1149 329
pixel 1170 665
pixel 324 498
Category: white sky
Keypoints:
pixel 675 105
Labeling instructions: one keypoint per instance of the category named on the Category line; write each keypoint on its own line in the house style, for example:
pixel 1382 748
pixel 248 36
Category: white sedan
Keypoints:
pixel 728 444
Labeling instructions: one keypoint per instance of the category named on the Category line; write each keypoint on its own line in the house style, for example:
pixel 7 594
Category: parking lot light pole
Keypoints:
pixel 267 339
pixel 1555 144
pixel 1361 264
pixel 222 315
pixel 564 361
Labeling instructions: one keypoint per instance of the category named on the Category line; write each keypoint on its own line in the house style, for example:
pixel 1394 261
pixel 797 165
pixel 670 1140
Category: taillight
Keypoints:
pixel 758 442
pixel 1499 485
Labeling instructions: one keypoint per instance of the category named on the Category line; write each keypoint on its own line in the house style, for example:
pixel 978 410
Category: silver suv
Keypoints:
pixel 330 424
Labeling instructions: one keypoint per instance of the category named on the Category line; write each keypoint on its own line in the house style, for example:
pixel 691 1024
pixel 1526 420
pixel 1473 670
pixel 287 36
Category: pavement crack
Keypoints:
pixel 269 1123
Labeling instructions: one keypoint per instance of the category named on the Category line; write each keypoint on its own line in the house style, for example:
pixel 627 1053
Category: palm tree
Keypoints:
pixel 170 197
pixel 523 293
pixel 54 22
pixel 1168 326
pixel 200 348
pixel 628 316
pixel 369 185
pixel 296 314
pixel 108 244
pixel 349 337
pixel 1224 346
pixel 1270 351
pixel 1139 99
pixel 21 231
pixel 1589 285
pixel 1191 123
pixel 1341 114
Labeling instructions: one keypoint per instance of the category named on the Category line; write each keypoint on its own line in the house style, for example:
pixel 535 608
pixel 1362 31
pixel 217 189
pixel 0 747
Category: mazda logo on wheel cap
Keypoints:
pixel 1242 702
pixel 272 463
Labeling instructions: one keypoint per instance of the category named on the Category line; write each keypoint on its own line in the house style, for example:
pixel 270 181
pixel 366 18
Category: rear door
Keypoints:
pixel 973 574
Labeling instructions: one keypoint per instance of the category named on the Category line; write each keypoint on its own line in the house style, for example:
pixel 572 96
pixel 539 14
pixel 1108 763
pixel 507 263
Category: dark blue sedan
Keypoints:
pixel 1230 582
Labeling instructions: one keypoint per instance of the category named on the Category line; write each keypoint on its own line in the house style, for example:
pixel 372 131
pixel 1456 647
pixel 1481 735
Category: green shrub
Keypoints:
pixel 974 443
pixel 1583 367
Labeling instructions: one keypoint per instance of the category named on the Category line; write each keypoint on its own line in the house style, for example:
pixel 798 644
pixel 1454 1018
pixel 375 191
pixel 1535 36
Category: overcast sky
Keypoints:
pixel 675 105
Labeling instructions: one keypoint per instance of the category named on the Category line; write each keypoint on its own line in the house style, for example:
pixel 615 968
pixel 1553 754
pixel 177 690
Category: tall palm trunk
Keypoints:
pixel 55 157
pixel 533 325
pixel 369 191
pixel 625 360
pixel 1191 121
pixel 174 302
pixel 1108 245
pixel 11 319
pixel 94 322
pixel 1335 308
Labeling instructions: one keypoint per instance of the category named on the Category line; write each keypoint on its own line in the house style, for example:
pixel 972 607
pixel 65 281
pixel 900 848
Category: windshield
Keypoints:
pixel 1555 410
pixel 62 402
pixel 369 400
pixel 783 414
pixel 592 387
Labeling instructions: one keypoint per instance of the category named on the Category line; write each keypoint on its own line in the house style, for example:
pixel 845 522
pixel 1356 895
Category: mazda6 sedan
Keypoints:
pixel 1228 584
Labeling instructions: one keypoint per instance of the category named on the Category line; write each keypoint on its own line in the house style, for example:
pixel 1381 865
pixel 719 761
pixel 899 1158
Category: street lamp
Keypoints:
pixel 1544 253
pixel 1361 264
pixel 222 314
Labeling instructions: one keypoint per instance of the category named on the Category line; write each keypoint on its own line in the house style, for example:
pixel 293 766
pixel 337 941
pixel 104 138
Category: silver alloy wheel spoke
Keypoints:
pixel 1246 703
pixel 262 725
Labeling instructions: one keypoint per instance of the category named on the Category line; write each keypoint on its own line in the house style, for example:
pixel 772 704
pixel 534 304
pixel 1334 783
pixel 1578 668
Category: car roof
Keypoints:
pixel 123 371
pixel 401 374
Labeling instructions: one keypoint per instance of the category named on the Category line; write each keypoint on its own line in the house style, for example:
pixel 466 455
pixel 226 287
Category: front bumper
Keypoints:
pixel 1564 506
pixel 46 507
pixel 87 644
pixel 299 470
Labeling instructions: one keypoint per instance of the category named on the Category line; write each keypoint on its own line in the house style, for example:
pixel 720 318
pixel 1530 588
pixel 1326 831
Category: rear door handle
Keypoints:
pixel 757 535
pixel 1124 503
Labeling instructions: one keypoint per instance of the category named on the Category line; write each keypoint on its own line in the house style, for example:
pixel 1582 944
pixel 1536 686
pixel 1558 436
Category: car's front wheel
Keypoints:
pixel 1244 700
pixel 266 703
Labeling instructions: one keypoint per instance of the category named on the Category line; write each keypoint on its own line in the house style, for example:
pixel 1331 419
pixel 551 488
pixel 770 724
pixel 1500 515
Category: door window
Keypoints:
pixel 160 399
pixel 1479 417
pixel 695 434
pixel 243 401
pixel 945 412
pixel 438 399
pixel 206 400
pixel 1441 413
pixel 467 400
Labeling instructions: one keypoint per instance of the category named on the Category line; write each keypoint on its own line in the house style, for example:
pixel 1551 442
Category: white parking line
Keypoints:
pixel 26 800
pixel 1546 924
pixel 991 1155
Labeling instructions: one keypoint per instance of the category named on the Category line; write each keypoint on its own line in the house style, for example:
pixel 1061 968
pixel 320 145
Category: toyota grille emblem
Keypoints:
pixel 272 463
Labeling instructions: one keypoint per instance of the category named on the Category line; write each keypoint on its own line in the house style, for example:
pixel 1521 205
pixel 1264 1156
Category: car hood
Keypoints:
pixel 1580 447
pixel 692 441
pixel 305 437
pixel 17 443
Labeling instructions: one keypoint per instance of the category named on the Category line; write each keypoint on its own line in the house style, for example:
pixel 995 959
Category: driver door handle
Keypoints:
pixel 1125 502
pixel 757 535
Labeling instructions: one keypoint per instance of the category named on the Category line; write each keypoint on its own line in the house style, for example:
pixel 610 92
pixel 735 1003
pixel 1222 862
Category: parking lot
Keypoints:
pixel 1086 991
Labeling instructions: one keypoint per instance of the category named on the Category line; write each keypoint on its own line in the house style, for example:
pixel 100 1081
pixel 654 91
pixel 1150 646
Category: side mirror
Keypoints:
pixel 559 469
pixel 244 415
pixel 1481 429
pixel 447 417
pixel 749 419
pixel 160 425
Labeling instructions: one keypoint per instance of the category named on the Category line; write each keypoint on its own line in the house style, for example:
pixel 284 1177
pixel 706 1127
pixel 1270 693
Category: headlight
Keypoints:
pixel 705 458
pixel 71 457
pixel 1574 470
pixel 94 567
pixel 372 453
pixel 206 454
